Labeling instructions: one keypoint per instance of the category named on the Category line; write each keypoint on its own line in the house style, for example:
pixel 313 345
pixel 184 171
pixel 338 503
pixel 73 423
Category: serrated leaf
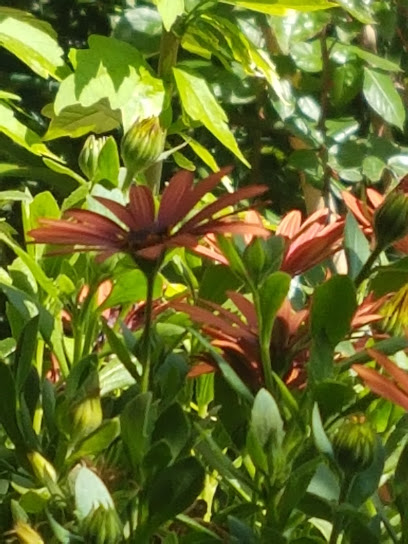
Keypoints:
pixel 76 120
pixel 33 41
pixel 117 72
pixel 200 104
pixel 381 95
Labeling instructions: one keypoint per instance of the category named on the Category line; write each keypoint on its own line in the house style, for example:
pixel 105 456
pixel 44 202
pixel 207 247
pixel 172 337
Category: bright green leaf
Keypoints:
pixel 169 11
pixel 33 41
pixel 200 104
pixel 22 135
pixel 381 95
pixel 281 7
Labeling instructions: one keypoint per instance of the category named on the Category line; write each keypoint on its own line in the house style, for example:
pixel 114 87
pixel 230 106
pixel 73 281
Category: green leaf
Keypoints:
pixel 320 438
pixel 136 422
pixel 98 441
pixel 130 287
pixel 307 55
pixel 76 120
pixel 33 41
pixel 381 95
pixel 108 162
pixel 358 10
pixel 117 72
pixel 8 402
pixel 271 295
pixel 25 352
pixel 22 135
pixel 90 491
pixel 281 7
pixel 266 421
pixel 62 169
pixel 173 426
pixel 200 104
pixel 169 11
pixel 174 489
pixel 215 282
pixel 356 246
pixel 346 83
pixel 333 306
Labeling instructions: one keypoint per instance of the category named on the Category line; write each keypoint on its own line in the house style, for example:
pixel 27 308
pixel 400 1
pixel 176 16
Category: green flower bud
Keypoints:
pixel 353 444
pixel 395 312
pixel 142 144
pixel 88 158
pixel 86 410
pixel 102 526
pixel 43 469
pixel 86 416
pixel 25 534
pixel 391 219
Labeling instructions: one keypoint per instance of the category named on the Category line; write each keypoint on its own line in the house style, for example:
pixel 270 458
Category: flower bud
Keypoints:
pixel 86 416
pixel 142 144
pixel 102 526
pixel 43 469
pixel 391 219
pixel 354 443
pixel 395 312
pixel 88 158
pixel 25 534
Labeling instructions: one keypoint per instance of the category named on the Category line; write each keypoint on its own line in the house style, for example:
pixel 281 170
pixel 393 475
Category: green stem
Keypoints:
pixel 146 340
pixel 365 271
pixel 338 517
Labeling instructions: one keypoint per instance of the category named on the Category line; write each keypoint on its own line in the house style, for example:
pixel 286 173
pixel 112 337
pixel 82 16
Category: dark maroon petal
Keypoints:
pixel 175 202
pixel 121 212
pixel 141 206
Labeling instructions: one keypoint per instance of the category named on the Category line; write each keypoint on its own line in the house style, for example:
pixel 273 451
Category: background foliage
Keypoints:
pixel 308 98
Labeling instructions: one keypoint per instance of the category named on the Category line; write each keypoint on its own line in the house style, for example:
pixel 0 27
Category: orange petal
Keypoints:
pixel 381 386
pixel 400 376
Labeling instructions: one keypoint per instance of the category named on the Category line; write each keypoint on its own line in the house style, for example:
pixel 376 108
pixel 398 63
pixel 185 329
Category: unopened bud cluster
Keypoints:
pixel 354 444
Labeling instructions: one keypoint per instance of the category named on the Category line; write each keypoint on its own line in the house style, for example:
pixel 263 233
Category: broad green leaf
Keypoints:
pixel 333 306
pixel 115 71
pixel 108 162
pixel 22 135
pixel 173 426
pixel 297 27
pixel 266 421
pixel 174 489
pixel 272 294
pixel 136 422
pixel 281 7
pixel 307 55
pixel 399 165
pixel 199 103
pixel 381 95
pixel 8 401
pixel 89 490
pixel 169 11
pixel 373 60
pixel 42 205
pixel 15 196
pixel 141 27
pixel 359 10
pixel 98 441
pixel 76 120
pixel 33 41
pixel 130 287
pixel 356 246
pixel 346 83
pixel 215 282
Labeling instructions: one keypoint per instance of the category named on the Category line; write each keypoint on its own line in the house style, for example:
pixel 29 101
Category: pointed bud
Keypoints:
pixel 391 219
pixel 142 144
pixel 395 312
pixel 102 526
pixel 88 158
pixel 354 444
pixel 43 469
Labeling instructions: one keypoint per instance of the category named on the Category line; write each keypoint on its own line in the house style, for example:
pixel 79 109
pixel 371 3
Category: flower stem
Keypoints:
pixel 146 340
pixel 365 271
pixel 338 517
